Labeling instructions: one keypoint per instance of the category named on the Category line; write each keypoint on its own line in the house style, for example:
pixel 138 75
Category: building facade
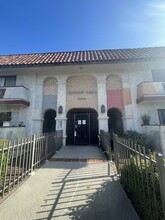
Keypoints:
pixel 79 93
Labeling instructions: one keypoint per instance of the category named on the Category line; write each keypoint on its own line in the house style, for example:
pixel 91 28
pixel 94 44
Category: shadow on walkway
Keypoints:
pixel 87 193
pixel 70 190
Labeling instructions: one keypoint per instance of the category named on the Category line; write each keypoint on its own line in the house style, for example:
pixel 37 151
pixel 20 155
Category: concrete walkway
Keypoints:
pixel 70 190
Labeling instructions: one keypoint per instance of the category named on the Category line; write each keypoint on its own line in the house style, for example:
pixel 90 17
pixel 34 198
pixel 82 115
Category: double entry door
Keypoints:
pixel 81 128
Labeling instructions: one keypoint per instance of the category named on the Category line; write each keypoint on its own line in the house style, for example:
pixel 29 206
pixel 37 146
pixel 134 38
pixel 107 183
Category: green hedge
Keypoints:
pixel 140 191
pixel 140 139
pixel 2 142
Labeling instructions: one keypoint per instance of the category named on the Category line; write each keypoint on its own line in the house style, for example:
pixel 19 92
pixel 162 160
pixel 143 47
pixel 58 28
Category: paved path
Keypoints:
pixel 70 190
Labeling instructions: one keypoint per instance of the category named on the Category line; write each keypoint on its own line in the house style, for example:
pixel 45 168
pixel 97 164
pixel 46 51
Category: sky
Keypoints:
pixel 34 26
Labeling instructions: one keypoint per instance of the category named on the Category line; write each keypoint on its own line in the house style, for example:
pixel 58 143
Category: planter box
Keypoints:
pixel 12 133
pixel 6 124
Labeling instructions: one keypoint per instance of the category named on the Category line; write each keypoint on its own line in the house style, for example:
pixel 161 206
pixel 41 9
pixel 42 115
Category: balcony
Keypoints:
pixel 18 95
pixel 150 91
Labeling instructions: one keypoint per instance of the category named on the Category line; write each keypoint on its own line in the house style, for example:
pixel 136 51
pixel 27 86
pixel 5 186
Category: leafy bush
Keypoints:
pixel 3 142
pixel 140 139
pixel 138 183
pixel 4 159
pixel 140 179
pixel 5 116
pixel 145 116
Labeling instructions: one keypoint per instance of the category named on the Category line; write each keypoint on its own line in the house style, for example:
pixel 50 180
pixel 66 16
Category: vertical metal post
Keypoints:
pixel 27 156
pixel 33 151
pixel 23 161
pixel 20 160
pixel 16 164
pixel 161 171
pixel 2 156
pixel 116 151
pixel 6 170
pixel 11 165
pixel 109 147
pixel 46 146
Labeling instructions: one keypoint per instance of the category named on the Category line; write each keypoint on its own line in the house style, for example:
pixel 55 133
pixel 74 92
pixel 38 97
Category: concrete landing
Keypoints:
pixel 80 152
pixel 70 190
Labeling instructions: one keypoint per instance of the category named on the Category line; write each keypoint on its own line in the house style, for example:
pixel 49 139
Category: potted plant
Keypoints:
pixel 146 119
pixel 6 118
pixel 21 124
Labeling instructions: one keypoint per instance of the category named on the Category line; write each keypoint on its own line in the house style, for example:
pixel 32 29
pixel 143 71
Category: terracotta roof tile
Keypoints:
pixel 93 56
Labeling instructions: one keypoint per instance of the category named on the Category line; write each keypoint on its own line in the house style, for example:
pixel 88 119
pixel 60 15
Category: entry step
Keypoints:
pixel 88 160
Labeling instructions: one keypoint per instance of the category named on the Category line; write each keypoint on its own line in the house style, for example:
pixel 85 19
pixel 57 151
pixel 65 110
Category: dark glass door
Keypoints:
pixel 81 128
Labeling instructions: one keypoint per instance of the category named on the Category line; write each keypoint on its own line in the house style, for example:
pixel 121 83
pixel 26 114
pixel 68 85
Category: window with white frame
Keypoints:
pixel 7 81
pixel 161 113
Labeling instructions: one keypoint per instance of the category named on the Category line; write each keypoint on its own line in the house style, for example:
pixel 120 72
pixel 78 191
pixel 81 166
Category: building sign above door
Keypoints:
pixel 81 92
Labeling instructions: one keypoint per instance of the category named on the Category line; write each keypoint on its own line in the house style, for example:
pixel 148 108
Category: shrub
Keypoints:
pixel 137 179
pixel 3 142
pixel 4 159
pixel 140 188
pixel 146 119
pixel 140 139
pixel 5 116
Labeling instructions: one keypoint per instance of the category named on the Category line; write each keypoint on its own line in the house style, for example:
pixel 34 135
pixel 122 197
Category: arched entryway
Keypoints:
pixel 115 123
pixel 82 126
pixel 49 124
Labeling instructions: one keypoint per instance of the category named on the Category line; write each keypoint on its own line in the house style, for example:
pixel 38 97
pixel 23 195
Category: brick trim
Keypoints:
pixel 15 102
pixel 150 98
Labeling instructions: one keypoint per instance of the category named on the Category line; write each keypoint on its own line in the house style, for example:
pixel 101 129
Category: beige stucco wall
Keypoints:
pixel 146 88
pixel 12 133
pixel 127 99
pixel 157 136
pixel 114 82
pixel 131 75
pixel 150 88
pixel 50 86
pixel 81 92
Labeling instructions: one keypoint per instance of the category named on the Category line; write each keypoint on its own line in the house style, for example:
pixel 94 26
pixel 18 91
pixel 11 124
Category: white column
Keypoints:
pixel 61 101
pixel 102 101
pixel 37 111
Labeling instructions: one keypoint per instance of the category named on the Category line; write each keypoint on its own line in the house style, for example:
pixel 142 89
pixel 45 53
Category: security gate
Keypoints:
pixel 82 127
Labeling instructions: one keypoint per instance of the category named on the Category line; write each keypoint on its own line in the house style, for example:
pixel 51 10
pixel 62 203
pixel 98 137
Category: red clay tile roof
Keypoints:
pixel 92 56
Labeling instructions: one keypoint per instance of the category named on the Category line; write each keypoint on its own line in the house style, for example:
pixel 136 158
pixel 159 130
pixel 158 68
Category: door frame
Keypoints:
pixel 76 141
pixel 92 125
